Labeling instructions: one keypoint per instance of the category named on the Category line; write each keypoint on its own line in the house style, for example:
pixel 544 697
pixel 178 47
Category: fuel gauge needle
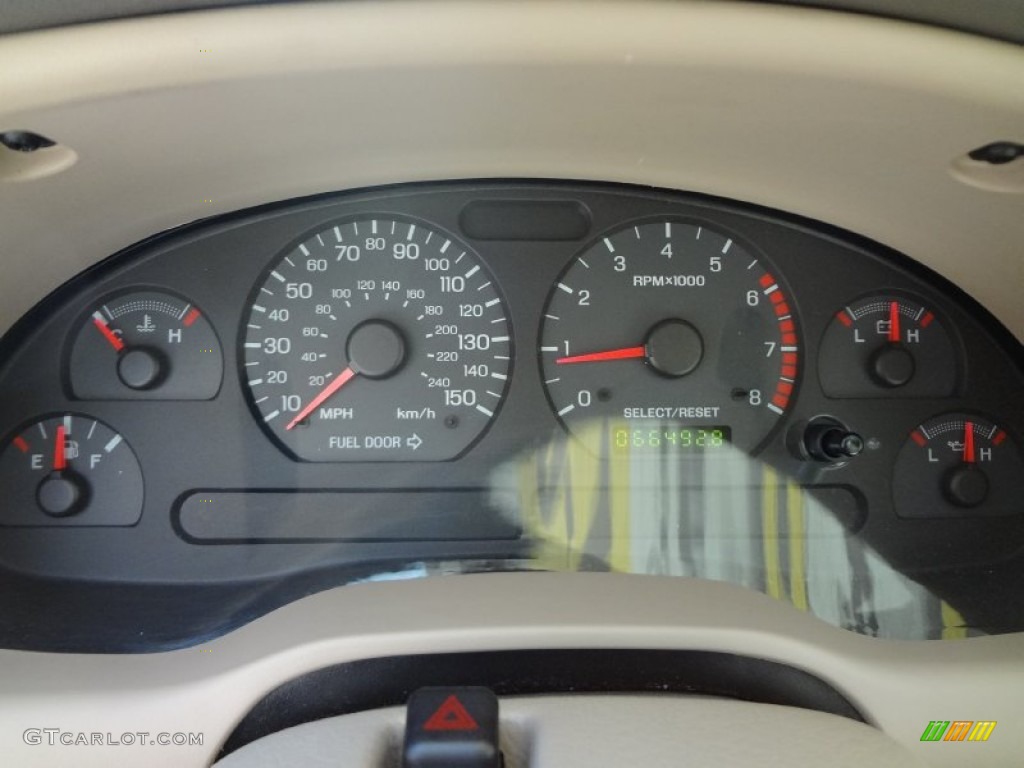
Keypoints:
pixel 969 457
pixel 59 459
pixel 343 378
pixel 626 353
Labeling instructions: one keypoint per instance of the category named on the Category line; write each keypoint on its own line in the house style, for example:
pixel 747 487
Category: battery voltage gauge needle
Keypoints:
pixel 894 322
pixel 343 378
pixel 625 353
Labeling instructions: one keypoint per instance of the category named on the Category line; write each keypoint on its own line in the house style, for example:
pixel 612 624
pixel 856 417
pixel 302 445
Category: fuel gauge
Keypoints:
pixel 145 345
pixel 957 465
pixel 69 469
pixel 887 346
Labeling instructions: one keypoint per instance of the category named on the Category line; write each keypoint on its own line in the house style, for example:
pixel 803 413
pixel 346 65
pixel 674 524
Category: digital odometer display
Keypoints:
pixel 669 322
pixel 668 438
pixel 378 339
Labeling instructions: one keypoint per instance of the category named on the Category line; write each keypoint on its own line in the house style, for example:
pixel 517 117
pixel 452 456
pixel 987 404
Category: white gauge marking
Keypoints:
pixel 485 285
pixel 91 430
pixel 258 308
pixel 771 289
pixel 373 227
pixel 584 263
pixel 551 317
pixel 278 276
pixel 499 338
pixel 444 247
pixel 549 349
pixel 337 233
pixel 752 264
pixel 609 246
pixel 564 287
pixel 484 411
pixel 271 415
pixel 67 425
pixel 473 271
pixel 42 430
pixel 499 376
pixel 491 303
pixel 727 246
pixel 255 382
pixel 789 349
pixel 304 249
pixel 114 442
pixel 252 345
pixel 567 408
pixel 289 259
pixel 774 407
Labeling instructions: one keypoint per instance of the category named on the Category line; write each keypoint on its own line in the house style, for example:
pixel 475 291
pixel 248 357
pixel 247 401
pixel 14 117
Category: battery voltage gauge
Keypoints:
pixel 887 346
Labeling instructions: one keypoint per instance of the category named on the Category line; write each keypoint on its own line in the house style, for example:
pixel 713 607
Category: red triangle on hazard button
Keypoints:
pixel 451 716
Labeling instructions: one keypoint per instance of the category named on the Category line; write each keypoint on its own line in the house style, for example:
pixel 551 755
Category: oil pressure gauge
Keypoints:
pixel 887 346
pixel 958 465
pixel 145 345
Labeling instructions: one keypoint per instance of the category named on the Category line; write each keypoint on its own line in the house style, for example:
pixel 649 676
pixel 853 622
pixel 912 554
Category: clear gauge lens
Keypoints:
pixel 668 336
pixel 145 345
pixel 887 346
pixel 377 340
pixel 959 465
pixel 69 469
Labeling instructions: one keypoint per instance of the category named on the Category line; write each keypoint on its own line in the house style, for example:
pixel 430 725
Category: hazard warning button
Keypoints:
pixel 452 728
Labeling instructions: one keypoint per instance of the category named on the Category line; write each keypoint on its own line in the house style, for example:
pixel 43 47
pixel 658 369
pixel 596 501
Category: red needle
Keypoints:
pixel 109 335
pixel 969 443
pixel 894 322
pixel 626 353
pixel 327 391
pixel 59 461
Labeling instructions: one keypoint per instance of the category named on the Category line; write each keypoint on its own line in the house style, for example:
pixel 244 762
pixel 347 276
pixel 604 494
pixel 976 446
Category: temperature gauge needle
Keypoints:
pixel 59 459
pixel 969 457
pixel 626 353
pixel 343 378
pixel 894 322
pixel 109 335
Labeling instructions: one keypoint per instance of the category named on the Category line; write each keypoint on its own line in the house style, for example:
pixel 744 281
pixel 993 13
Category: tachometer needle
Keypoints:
pixel 109 335
pixel 894 322
pixel 969 457
pixel 59 459
pixel 343 378
pixel 626 353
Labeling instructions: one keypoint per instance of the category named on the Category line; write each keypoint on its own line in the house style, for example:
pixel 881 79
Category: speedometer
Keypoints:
pixel 669 337
pixel 379 339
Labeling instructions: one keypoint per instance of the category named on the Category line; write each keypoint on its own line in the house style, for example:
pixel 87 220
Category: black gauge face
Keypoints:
pixel 887 346
pixel 668 336
pixel 70 470
pixel 959 465
pixel 145 345
pixel 377 340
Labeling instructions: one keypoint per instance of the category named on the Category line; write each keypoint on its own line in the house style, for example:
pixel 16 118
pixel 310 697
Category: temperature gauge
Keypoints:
pixel 145 345
pixel 958 465
pixel 69 470
pixel 887 346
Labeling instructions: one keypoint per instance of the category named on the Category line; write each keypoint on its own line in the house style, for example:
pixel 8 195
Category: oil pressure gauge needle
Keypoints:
pixel 969 457
pixel 626 353
pixel 343 378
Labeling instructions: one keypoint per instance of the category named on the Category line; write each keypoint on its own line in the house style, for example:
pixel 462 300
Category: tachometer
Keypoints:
pixel 378 339
pixel 668 336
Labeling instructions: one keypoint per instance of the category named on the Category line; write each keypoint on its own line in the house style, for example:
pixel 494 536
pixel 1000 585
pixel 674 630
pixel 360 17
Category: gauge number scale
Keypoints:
pixel 379 339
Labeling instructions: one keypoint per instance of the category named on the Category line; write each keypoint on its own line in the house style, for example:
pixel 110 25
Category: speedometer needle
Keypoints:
pixel 343 378
pixel 626 353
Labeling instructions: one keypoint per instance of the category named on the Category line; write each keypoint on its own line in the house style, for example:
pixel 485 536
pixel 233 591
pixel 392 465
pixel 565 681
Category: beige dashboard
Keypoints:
pixel 860 123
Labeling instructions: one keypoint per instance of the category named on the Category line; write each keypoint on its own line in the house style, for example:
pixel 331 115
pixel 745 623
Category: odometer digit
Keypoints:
pixel 380 339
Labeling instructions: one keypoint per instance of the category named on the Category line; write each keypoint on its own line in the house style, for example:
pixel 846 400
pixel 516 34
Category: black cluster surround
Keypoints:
pixel 236 413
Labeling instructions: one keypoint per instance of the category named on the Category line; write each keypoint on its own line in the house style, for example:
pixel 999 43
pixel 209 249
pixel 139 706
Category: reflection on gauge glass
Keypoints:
pixel 69 469
pixel 887 346
pixel 669 337
pixel 145 345
pixel 959 465
pixel 379 339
